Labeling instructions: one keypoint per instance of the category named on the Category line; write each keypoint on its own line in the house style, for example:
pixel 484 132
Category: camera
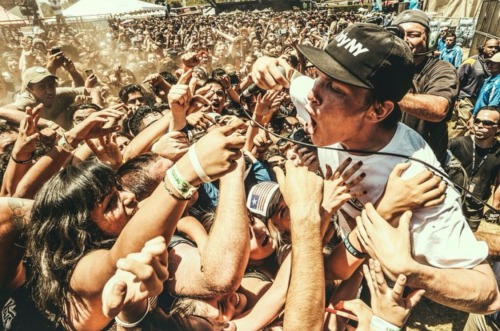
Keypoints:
pixel 234 79
pixel 300 136
pixel 55 50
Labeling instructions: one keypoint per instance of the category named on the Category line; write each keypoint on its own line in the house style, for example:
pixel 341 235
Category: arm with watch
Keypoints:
pixel 50 163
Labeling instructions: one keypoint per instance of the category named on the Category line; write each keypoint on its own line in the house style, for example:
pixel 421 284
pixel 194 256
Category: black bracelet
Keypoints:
pixel 23 162
pixel 351 249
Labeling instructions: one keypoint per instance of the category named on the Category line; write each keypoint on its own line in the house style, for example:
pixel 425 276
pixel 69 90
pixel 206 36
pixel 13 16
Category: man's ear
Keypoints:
pixel 380 110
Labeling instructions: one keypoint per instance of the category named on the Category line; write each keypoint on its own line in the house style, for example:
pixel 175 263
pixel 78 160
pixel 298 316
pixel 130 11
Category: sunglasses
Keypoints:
pixel 485 123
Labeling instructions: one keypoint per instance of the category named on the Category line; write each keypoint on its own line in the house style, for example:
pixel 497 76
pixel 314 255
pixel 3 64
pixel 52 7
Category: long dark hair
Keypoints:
pixel 62 232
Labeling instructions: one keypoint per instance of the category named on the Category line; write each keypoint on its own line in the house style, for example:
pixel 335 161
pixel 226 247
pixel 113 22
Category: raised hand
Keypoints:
pixel 173 145
pixel 91 81
pixel 373 232
pixel 94 126
pixel 301 189
pixel 338 188
pixel 179 97
pixel 420 191
pixel 264 106
pixel 28 134
pixel 138 276
pixel 219 149
pixel 388 303
pixel 267 75
pixel 106 150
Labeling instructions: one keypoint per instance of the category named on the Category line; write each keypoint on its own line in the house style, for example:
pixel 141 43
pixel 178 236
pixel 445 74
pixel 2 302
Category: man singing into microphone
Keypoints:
pixel 429 104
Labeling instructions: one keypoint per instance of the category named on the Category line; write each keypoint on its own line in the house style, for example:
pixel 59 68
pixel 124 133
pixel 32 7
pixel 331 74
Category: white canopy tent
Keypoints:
pixel 454 8
pixel 108 7
pixel 7 17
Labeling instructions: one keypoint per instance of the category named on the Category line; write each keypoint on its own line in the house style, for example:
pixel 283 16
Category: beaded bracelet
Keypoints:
pixel 123 324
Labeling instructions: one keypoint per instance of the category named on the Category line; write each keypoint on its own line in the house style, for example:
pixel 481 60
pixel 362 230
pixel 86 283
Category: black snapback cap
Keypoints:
pixel 366 55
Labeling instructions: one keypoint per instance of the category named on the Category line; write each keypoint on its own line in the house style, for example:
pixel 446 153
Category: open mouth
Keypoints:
pixel 311 126
pixel 237 300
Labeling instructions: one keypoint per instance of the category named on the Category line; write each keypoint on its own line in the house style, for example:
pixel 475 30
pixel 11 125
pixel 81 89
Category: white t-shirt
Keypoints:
pixel 440 235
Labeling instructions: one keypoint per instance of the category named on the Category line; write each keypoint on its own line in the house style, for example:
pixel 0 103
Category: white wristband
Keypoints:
pixel 378 324
pixel 123 324
pixel 197 165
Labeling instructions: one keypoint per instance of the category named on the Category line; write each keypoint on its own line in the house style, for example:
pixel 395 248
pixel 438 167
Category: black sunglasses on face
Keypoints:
pixel 485 123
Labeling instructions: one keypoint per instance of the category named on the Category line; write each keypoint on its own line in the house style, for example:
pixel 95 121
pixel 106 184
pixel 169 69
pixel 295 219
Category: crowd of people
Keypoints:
pixel 252 171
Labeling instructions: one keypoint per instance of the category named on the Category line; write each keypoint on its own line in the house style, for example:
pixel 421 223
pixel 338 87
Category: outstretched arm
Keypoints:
pixel 428 107
pixel 303 192
pixel 450 287
pixel 204 274
pixel 270 304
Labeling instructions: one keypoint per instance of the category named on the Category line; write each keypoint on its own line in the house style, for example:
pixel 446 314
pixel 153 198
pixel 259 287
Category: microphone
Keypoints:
pixel 254 89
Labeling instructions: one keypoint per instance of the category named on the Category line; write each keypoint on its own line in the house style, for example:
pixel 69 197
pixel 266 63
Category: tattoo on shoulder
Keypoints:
pixel 20 212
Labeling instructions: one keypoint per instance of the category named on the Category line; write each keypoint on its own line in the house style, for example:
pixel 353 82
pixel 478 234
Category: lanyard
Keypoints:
pixel 474 171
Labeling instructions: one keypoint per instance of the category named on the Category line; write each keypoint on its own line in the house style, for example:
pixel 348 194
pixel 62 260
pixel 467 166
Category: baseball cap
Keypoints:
pixel 366 55
pixel 495 58
pixel 35 75
pixel 413 16
pixel 263 199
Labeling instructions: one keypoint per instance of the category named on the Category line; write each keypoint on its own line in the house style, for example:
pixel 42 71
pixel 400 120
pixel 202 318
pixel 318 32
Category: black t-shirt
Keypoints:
pixel 439 78
pixel 486 165
pixel 20 314
pixel 472 73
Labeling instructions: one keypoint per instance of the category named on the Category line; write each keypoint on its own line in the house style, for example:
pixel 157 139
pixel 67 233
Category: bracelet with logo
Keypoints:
pixel 170 192
pixel 352 250
pixel 378 324
pixel 185 189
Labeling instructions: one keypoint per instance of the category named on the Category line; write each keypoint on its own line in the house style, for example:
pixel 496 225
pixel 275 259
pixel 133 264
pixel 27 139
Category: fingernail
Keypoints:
pixel 360 163
pixel 365 192
pixel 349 159
pixel 363 175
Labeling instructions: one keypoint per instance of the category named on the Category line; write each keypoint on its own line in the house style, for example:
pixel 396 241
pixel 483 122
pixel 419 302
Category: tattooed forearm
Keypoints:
pixel 20 213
